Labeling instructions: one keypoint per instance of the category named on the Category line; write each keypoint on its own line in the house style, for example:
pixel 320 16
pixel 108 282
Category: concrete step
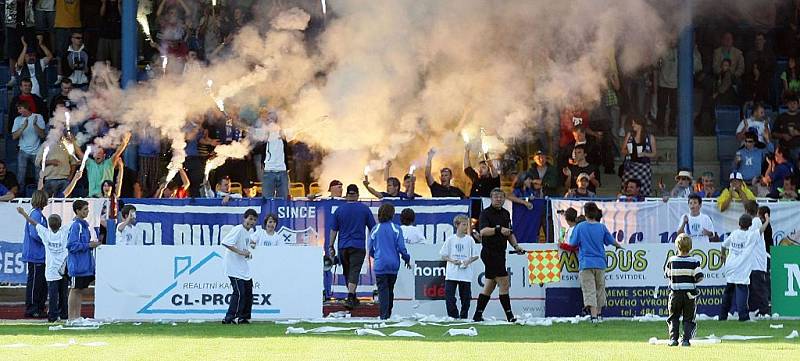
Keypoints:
pixel 705 149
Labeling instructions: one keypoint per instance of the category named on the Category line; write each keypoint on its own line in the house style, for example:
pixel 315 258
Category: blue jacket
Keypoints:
pixel 386 242
pixel 80 261
pixel 32 246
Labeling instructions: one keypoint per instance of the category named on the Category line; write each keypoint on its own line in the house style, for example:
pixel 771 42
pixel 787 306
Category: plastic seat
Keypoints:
pixel 314 188
pixel 236 187
pixel 297 190
pixel 728 118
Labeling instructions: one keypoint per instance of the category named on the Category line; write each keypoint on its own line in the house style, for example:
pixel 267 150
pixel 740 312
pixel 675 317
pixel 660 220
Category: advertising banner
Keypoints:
pixel 785 273
pixel 184 283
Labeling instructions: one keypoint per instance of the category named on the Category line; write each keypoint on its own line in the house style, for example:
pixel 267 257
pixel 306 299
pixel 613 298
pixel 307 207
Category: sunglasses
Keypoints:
pixel 749 141
pixel 78 37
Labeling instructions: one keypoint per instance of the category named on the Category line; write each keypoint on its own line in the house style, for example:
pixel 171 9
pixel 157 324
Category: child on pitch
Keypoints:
pixel 386 247
pixel 758 298
pixel 411 233
pixel 591 237
pixel 237 241
pixel 80 261
pixel 125 234
pixel 737 254
pixel 459 251
pixel 266 235
pixel 55 248
pixel 695 224
pixel 684 273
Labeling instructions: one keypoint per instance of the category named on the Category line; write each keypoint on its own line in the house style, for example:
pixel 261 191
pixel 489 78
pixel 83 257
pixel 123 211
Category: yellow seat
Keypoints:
pixel 236 187
pixel 314 188
pixel 256 188
pixel 297 190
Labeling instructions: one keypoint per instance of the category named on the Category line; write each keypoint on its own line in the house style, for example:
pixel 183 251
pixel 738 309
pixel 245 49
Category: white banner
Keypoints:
pixel 657 222
pixel 185 282
pixel 13 228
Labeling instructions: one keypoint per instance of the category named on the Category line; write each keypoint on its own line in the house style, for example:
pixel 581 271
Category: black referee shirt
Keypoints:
pixel 492 217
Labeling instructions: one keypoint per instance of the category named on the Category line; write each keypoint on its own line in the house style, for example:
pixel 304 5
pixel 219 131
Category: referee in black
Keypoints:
pixel 495 229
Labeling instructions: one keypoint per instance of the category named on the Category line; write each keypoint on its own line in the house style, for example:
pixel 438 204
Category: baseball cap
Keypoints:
pixel 583 175
pixel 352 189
pixel 736 175
pixel 334 183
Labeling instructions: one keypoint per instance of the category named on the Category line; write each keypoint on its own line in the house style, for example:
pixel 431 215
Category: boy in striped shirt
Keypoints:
pixel 683 272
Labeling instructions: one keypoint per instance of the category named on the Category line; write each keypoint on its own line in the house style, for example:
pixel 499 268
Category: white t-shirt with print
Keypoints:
pixel 127 237
pixel 462 249
pixel 262 239
pixel 237 265
pixel 759 126
pixel 413 235
pixel 696 225
pixel 760 249
pixel 55 251
pixel 739 263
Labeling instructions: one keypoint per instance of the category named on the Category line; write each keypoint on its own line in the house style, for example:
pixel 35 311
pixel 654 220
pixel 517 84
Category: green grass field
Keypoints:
pixel 612 340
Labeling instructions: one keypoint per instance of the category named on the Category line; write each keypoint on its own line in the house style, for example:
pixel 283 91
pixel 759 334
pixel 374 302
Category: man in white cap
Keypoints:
pixel 736 191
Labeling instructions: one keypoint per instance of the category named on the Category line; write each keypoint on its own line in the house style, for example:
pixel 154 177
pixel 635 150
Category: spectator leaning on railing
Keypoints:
pixel 736 191
pixel 707 188
pixel 9 182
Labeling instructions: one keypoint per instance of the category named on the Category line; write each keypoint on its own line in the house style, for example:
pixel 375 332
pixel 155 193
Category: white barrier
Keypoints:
pixel 184 283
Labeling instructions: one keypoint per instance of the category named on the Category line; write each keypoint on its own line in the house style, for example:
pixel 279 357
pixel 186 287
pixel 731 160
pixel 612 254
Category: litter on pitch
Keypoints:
pixel 470 332
pixel 318 330
pixel 404 333
pixel 655 341
pixel 794 334
pixel 369 332
pixel 776 327
pixel 736 337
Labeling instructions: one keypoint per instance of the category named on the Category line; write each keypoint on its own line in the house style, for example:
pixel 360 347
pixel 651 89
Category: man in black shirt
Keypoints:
pixel 495 231
pixel 484 180
pixel 9 180
pixel 445 175
pixel 581 165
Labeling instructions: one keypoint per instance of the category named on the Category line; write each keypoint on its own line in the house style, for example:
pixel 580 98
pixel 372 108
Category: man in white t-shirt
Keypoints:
pixel 266 236
pixel 275 183
pixel 411 233
pixel 55 255
pixel 238 243
pixel 459 251
pixel 757 123
pixel 759 278
pixel 126 236
pixel 737 253
pixel 29 130
pixel 695 224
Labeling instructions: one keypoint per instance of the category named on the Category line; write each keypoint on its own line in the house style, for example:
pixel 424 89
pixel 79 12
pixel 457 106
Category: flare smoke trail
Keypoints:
pixel 392 79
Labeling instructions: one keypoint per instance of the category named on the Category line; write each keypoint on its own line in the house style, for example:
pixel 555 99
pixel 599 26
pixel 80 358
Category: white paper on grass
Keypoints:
pixel 295 331
pixel 406 323
pixel 737 337
pixel 779 326
pixel 404 333
pixel 471 332
pixel 328 329
pixel 287 322
pixel 95 344
pixel 15 345
pixel 369 332
pixel 537 322
pixel 794 334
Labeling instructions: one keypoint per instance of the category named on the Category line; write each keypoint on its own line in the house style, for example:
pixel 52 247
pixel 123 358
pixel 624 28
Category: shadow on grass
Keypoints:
pixel 610 331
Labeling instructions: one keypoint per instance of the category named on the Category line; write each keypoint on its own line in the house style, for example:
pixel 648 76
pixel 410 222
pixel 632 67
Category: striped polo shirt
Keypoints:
pixel 683 272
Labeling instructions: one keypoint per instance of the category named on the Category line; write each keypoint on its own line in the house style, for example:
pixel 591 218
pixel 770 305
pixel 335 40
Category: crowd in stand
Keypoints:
pixel 51 45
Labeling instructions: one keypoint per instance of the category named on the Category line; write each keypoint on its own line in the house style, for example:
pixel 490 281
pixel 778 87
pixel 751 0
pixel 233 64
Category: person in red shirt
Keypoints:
pixel 36 103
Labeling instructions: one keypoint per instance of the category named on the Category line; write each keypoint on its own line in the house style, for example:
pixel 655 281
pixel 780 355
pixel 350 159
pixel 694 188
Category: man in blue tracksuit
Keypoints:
pixel 386 246
pixel 80 261
pixel 33 255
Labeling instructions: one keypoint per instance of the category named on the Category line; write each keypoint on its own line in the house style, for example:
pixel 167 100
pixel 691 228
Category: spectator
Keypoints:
pixel 335 189
pixel 791 116
pixel 67 21
pixel 724 92
pixel 77 60
pixel 62 98
pixel 737 255
pixel 571 118
pixel 543 172
pixel 35 103
pixel 108 45
pixel 582 189
pixel 149 167
pixel 29 68
pixel 762 55
pixel 172 189
pixel 668 88
pixel 28 129
pixel 736 191
pixel 223 190
pixel 750 159
pixel 33 253
pixel 387 247
pixel 276 180
pixel 632 191
pixel 350 223
pixel 779 167
pixel 727 51
pixel 484 180
pixel 194 163
pixel 707 187
pixel 101 168
pixel 790 77
pixel 788 192
pixel 757 123
pixel 9 181
pixel 528 187
pixel 591 148
pixel 411 233
pixel 756 84
pixel 443 189
pixel 258 139
pixel 579 166
pixel 760 187
pixel 172 31
pixel 611 102
pixel 639 149
pixel 409 180
pixel 19 21
pixel 758 299
pixel 58 170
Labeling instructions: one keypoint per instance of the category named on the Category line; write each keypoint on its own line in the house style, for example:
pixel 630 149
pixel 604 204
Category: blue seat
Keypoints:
pixel 782 109
pixel 727 146
pixel 3 99
pixel 728 118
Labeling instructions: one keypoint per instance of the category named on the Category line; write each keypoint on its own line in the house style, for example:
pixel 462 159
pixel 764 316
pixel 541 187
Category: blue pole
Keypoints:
pixel 685 90
pixel 130 35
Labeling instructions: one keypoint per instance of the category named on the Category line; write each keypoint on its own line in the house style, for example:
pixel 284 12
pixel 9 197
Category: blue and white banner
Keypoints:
pixel 189 283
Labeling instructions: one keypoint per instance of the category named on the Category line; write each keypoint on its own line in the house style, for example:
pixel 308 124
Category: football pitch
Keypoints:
pixel 611 340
